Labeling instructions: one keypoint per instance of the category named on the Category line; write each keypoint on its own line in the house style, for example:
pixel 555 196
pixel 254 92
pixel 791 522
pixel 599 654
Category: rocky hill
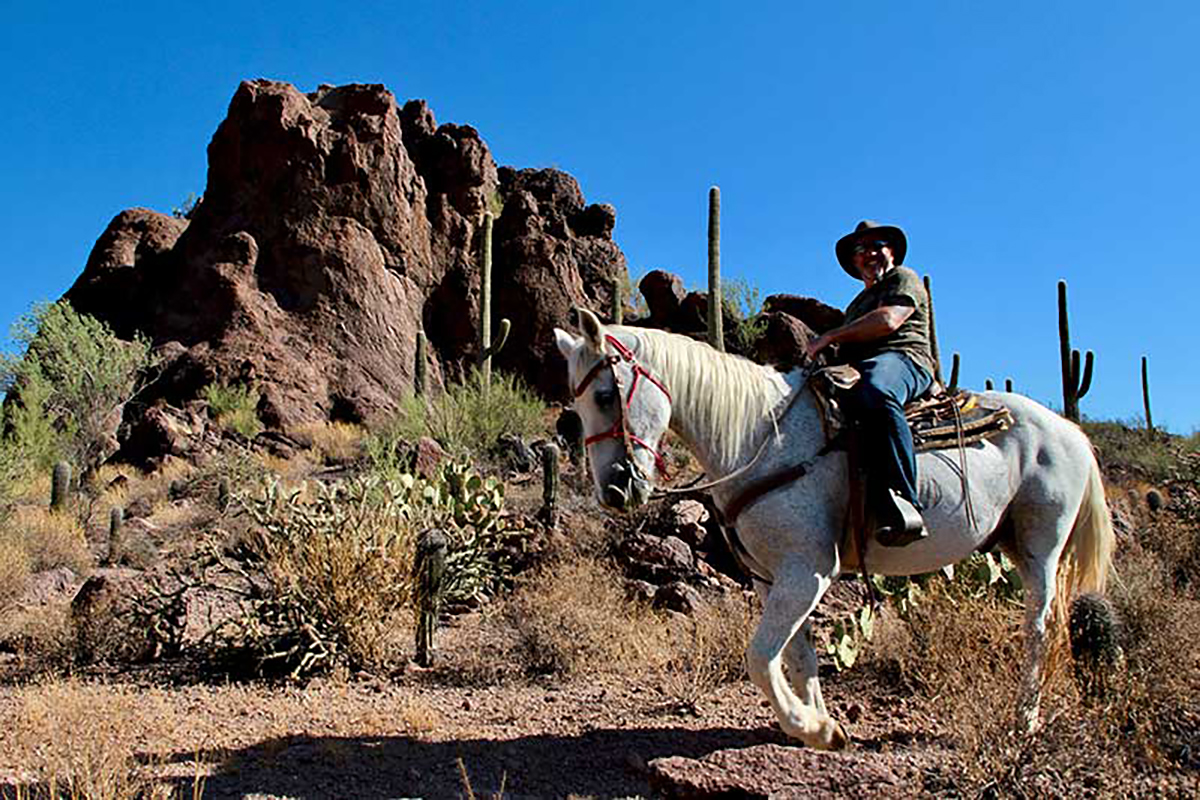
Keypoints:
pixel 333 226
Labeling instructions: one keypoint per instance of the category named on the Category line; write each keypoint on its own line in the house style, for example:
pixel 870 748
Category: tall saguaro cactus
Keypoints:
pixel 933 340
pixel 716 334
pixel 429 567
pixel 419 367
pixel 1074 386
pixel 487 348
pixel 1146 394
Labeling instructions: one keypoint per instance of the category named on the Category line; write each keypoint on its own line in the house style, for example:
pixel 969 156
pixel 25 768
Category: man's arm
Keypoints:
pixel 869 327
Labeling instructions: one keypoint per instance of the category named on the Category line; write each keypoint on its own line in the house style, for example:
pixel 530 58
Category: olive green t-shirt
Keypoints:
pixel 899 287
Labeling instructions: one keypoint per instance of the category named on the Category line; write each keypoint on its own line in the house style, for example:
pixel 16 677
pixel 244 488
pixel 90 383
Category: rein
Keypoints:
pixel 620 428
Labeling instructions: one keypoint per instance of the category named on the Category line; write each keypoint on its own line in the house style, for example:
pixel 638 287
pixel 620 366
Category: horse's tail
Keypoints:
pixel 1087 557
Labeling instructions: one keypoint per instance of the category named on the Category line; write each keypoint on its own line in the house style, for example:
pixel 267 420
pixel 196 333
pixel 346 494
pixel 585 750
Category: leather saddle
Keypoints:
pixel 938 419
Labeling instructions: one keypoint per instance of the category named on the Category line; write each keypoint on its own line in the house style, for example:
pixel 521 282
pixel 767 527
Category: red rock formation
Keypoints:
pixel 333 226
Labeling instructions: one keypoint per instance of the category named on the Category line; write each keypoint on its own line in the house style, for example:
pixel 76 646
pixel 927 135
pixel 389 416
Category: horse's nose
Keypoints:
pixel 615 497
pixel 619 489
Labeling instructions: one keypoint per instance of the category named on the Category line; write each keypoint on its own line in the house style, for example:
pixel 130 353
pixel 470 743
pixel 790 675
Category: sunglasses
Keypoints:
pixel 866 247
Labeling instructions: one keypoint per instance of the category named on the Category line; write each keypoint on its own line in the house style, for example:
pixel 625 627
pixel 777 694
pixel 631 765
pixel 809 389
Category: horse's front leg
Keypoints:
pixel 792 597
pixel 801 661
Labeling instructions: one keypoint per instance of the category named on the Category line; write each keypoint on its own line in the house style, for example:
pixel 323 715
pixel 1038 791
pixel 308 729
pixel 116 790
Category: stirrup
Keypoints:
pixel 902 524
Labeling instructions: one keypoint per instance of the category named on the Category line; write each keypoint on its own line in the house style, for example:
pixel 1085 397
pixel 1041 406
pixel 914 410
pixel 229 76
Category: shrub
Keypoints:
pixel 571 618
pixel 235 408
pixel 49 540
pixel 339 565
pixel 338 572
pixel 708 649
pixel 467 419
pixel 71 384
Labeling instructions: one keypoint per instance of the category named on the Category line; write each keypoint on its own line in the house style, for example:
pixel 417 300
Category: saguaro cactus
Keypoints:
pixel 116 518
pixel 618 301
pixel 60 485
pixel 716 334
pixel 933 340
pixel 1074 387
pixel 549 511
pixel 487 348
pixel 419 366
pixel 953 385
pixel 429 567
pixel 1146 394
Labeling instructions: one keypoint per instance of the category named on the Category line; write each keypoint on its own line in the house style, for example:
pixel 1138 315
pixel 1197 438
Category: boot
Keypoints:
pixel 901 523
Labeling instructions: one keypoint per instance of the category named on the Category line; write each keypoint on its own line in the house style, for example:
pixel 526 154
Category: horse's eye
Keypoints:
pixel 605 397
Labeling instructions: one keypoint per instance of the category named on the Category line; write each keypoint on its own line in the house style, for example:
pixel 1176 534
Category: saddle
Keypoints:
pixel 938 420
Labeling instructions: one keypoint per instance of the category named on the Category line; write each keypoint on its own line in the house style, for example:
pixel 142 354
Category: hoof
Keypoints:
pixel 838 740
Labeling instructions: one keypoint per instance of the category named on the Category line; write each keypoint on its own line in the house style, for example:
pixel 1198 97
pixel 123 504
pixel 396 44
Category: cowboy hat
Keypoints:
pixel 870 229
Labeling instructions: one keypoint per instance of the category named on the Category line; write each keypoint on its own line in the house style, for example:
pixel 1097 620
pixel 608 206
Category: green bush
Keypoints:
pixel 466 420
pixel 744 305
pixel 235 407
pixel 69 388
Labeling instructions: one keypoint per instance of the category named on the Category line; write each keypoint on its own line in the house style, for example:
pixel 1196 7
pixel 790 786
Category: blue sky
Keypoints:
pixel 1017 143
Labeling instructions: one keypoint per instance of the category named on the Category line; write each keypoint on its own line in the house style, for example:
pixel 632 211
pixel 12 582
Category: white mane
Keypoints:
pixel 714 391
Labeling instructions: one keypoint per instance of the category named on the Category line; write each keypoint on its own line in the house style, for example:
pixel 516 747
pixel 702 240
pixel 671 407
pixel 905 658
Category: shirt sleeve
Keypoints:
pixel 906 291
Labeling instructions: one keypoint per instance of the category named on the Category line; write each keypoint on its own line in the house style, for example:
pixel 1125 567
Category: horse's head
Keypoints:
pixel 624 409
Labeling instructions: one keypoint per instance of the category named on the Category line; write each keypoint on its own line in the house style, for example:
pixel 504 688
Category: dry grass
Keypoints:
pixel 334 442
pixel 14 567
pixel 572 618
pixel 49 539
pixel 88 741
pixel 707 650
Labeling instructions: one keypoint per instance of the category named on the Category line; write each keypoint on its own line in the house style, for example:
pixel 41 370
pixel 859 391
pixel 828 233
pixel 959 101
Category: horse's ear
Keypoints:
pixel 566 342
pixel 593 331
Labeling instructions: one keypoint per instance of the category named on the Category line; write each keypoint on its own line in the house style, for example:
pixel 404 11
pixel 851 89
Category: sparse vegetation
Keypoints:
pixel 235 407
pixel 467 420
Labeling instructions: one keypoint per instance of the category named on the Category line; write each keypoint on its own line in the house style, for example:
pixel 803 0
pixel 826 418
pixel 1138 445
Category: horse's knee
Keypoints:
pixel 758 661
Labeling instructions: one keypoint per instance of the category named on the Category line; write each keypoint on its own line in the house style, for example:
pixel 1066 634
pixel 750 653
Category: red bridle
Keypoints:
pixel 619 430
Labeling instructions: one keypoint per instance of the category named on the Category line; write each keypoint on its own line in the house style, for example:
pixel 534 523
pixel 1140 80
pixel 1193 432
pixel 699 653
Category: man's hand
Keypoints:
pixel 816 345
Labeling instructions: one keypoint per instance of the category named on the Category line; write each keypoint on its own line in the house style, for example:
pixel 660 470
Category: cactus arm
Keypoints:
pixel 501 338
pixel 1086 383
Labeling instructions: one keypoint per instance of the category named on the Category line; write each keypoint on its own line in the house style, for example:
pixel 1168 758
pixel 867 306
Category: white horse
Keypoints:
pixel 1035 489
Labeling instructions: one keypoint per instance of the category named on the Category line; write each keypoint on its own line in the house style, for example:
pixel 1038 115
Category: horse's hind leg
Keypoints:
pixel 792 597
pixel 1039 575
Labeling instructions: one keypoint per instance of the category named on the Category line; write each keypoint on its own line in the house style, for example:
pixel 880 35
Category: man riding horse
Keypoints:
pixel 886 337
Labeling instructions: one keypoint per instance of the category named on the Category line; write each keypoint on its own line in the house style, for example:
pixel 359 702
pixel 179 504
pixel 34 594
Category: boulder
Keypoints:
pixel 783 341
pixel 812 312
pixel 663 293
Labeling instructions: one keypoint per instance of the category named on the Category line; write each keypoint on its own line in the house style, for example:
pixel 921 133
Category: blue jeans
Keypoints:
pixel 876 403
